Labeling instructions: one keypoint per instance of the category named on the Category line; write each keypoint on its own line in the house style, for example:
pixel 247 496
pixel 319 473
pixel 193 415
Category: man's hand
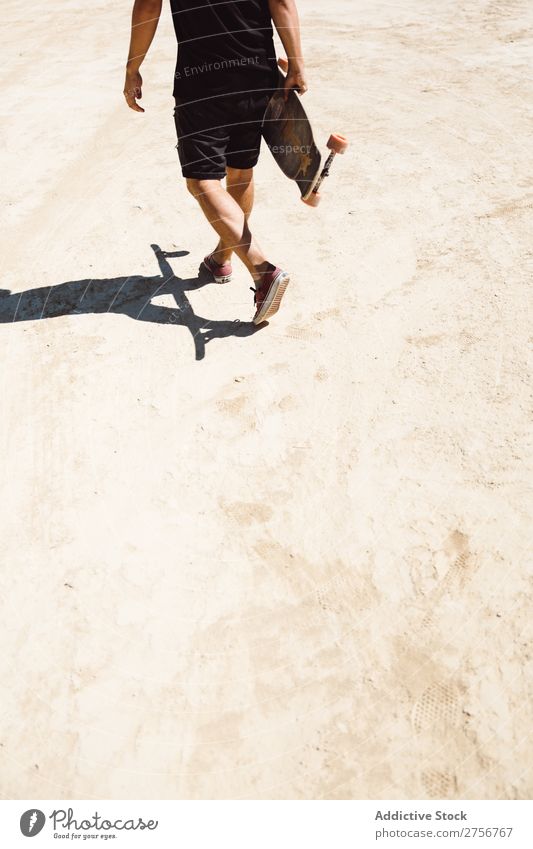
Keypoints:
pixel 295 79
pixel 144 21
pixel 285 16
pixel 133 90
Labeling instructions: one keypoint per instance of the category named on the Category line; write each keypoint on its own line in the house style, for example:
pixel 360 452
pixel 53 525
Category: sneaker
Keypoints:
pixel 268 294
pixel 221 273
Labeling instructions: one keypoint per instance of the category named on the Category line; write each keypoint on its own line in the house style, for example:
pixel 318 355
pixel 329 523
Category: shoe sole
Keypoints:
pixel 219 280
pixel 270 305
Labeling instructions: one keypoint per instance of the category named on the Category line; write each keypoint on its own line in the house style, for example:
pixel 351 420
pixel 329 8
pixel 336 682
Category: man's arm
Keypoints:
pixel 144 21
pixel 286 20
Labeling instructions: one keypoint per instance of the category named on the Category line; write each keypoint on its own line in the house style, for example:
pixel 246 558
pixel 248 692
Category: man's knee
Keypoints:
pixel 197 188
pixel 193 186
pixel 239 176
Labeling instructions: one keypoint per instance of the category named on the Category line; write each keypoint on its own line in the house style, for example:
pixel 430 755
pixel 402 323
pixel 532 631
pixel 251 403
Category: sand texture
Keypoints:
pixel 282 564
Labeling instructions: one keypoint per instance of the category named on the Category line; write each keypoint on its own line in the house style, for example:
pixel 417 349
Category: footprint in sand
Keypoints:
pixel 460 570
pixel 437 709
pixel 345 592
pixel 304 334
pixel 438 785
pixel 246 512
pixel 331 313
pixel 436 574
pixel 232 406
pixel 288 402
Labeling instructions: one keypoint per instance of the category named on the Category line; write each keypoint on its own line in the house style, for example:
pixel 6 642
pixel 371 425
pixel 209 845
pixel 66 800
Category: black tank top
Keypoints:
pixel 223 47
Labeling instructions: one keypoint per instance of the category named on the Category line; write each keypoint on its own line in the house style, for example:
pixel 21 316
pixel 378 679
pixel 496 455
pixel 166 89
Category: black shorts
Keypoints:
pixel 219 132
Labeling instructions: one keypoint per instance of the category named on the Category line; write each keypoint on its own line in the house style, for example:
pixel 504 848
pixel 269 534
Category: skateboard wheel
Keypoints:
pixel 284 65
pixel 337 143
pixel 313 199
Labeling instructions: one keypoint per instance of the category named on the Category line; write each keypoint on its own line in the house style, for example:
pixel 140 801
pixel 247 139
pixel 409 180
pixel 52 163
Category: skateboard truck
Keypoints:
pixel 336 144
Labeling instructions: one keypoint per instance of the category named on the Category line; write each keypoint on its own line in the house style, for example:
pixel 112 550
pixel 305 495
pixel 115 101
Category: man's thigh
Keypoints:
pixel 246 130
pixel 203 139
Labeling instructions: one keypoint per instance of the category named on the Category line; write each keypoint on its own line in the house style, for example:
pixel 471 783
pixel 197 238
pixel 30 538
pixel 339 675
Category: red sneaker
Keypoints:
pixel 268 294
pixel 221 273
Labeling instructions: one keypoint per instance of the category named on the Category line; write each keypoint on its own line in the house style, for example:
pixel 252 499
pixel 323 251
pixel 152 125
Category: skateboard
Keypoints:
pixel 289 136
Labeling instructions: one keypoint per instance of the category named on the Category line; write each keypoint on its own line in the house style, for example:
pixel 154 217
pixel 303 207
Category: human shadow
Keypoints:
pixel 129 296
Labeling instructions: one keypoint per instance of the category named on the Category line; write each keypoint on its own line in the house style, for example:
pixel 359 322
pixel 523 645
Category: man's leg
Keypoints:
pixel 240 185
pixel 230 221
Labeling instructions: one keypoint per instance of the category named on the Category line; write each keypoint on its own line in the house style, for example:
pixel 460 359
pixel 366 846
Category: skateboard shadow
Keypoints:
pixel 129 296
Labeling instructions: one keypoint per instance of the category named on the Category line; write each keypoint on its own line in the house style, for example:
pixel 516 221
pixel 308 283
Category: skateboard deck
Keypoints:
pixel 289 136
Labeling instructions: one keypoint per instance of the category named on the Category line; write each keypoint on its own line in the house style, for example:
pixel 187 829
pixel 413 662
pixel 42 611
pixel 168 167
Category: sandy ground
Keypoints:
pixel 283 564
